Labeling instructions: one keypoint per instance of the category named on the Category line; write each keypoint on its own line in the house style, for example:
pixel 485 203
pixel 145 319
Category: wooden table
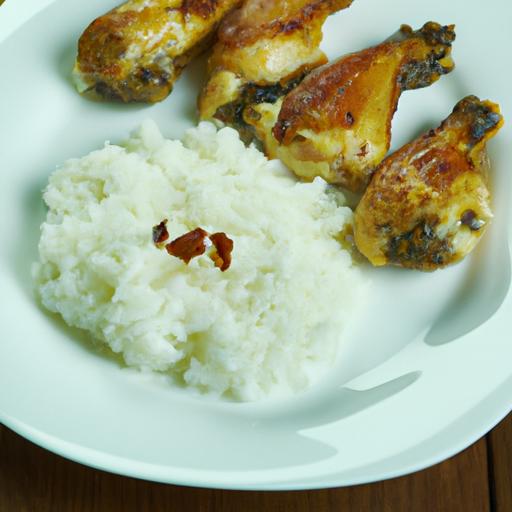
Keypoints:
pixel 477 480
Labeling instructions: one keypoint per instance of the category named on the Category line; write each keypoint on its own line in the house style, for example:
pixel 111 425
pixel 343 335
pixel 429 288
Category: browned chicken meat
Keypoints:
pixel 137 51
pixel 337 122
pixel 428 204
pixel 264 49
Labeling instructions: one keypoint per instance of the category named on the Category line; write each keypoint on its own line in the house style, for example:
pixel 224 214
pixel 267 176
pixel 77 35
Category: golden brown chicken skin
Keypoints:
pixel 264 49
pixel 137 51
pixel 428 204
pixel 337 122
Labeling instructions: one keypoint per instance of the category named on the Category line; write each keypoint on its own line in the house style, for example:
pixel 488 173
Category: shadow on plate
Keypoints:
pixel 282 424
pixel 24 253
pixel 488 279
pixel 81 338
pixel 316 409
pixel 65 61
pixel 476 301
pixel 193 78
pixel 24 249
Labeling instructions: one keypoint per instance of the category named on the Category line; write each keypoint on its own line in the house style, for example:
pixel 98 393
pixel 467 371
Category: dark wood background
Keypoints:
pixel 477 480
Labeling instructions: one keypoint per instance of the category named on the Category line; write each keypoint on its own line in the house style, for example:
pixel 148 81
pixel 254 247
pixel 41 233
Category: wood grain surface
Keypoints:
pixel 477 480
pixel 500 464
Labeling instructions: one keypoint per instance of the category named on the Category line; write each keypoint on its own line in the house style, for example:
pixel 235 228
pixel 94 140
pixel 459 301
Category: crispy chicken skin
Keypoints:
pixel 137 51
pixel 264 49
pixel 428 204
pixel 337 122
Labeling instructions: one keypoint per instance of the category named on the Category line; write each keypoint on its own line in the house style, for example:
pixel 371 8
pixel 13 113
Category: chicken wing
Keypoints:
pixel 137 51
pixel 264 49
pixel 428 204
pixel 337 122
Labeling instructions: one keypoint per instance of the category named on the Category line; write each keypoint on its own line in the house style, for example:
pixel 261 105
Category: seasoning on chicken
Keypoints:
pixel 337 122
pixel 137 51
pixel 264 49
pixel 428 204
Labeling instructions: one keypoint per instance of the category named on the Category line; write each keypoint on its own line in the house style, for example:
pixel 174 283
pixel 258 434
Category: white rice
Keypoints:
pixel 270 325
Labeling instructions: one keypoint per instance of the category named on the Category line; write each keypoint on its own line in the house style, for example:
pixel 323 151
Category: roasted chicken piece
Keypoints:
pixel 137 51
pixel 337 122
pixel 264 49
pixel 428 204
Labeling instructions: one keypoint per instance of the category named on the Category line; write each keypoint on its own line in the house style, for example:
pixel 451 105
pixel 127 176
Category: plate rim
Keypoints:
pixel 12 16
pixel 99 460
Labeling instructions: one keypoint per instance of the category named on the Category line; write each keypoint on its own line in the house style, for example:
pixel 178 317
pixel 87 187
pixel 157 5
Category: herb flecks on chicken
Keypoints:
pixel 136 51
pixel 337 122
pixel 265 48
pixel 428 204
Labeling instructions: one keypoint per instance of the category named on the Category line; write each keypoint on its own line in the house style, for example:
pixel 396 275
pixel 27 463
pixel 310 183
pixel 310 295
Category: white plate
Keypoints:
pixel 425 374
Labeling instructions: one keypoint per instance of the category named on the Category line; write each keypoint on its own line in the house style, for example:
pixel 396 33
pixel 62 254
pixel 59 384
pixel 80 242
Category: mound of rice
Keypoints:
pixel 270 325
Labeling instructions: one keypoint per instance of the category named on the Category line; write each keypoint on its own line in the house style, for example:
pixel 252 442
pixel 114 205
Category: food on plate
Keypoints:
pixel 196 243
pixel 137 51
pixel 160 233
pixel 337 123
pixel 203 259
pixel 428 204
pixel 269 325
pixel 264 49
